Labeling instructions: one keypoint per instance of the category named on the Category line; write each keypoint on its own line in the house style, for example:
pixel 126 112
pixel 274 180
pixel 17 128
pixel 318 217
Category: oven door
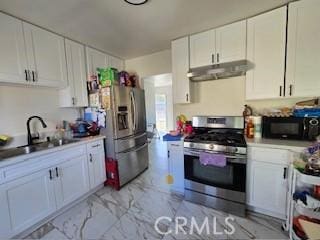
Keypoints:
pixel 231 177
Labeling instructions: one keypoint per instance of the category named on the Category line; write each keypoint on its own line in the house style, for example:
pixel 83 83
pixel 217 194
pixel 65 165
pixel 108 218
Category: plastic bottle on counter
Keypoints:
pixel 250 129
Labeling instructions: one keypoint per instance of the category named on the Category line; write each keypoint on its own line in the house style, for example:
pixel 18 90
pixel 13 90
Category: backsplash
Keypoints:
pixel 17 104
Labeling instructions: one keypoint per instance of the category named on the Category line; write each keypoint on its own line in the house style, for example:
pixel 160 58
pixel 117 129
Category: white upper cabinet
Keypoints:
pixel 95 59
pixel 224 44
pixel 303 55
pixel 13 60
pixel 180 68
pixel 46 57
pixel 75 95
pixel 202 49
pixel 117 63
pixel 266 47
pixel 231 42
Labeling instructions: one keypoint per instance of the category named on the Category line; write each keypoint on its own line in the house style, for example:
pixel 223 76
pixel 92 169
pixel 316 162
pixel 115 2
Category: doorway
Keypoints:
pixel 161 113
pixel 159 103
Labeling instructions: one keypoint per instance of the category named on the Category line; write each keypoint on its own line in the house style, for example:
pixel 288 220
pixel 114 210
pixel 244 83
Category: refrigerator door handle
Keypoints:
pixel 133 102
pixel 135 149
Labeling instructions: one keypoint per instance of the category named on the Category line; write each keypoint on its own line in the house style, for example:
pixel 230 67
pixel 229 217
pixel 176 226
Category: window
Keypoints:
pixel 161 112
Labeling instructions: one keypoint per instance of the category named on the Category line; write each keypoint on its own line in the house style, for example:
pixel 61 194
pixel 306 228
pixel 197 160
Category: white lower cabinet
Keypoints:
pixel 176 165
pixel 26 201
pixel 96 158
pixel 37 191
pixel 267 183
pixel 72 180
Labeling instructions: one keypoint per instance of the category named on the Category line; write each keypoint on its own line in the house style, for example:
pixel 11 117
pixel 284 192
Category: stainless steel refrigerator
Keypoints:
pixel 126 137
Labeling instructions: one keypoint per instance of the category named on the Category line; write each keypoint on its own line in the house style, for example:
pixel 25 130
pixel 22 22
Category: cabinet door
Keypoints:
pixel 96 158
pixel 13 61
pixel 268 187
pixel 95 59
pixel 176 165
pixel 266 44
pixel 117 63
pixel 5 226
pixel 75 95
pixel 27 201
pixel 231 42
pixel 71 180
pixel 46 56
pixel 202 49
pixel 180 68
pixel 303 55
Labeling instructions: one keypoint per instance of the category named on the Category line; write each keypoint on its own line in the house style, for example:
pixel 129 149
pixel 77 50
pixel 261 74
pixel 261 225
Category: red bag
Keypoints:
pixel 112 174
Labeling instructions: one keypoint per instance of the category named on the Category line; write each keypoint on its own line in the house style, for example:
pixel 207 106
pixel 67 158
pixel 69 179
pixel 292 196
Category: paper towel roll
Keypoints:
pixel 257 121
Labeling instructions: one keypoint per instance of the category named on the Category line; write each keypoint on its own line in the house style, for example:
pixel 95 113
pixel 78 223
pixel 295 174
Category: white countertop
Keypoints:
pixel 21 158
pixel 278 143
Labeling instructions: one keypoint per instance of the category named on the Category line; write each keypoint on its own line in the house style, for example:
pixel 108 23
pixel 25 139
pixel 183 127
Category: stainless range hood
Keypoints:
pixel 218 71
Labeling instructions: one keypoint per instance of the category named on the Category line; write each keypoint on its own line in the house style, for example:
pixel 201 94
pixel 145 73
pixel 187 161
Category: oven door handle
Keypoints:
pixel 230 158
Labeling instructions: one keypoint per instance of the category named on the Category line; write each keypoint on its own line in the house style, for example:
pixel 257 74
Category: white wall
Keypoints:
pixel 153 64
pixel 17 104
pixel 150 101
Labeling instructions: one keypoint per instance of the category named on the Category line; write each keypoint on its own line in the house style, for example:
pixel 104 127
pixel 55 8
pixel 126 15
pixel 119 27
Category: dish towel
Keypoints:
pixel 217 160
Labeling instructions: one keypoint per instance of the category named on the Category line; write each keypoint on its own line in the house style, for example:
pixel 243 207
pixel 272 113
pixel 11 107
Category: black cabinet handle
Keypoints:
pixel 90 157
pixel 97 145
pixel 212 58
pixel 284 173
pixel 187 97
pixel 50 174
pixel 290 90
pixel 26 74
pixel 57 172
pixel 218 57
pixel 280 91
pixel 168 154
pixel 33 76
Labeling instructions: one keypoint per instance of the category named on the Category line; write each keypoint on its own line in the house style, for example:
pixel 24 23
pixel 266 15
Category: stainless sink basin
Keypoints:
pixel 22 150
pixel 57 143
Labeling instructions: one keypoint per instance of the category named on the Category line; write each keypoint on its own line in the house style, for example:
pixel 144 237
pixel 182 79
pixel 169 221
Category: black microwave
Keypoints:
pixel 295 128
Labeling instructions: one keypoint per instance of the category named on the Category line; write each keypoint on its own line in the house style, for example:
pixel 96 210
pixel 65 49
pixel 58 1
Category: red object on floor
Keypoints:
pixel 112 174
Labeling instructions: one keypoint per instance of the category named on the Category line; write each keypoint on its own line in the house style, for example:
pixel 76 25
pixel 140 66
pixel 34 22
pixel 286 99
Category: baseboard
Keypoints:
pixel 266 212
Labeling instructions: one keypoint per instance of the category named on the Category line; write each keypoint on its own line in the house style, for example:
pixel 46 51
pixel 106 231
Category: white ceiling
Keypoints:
pixel 131 31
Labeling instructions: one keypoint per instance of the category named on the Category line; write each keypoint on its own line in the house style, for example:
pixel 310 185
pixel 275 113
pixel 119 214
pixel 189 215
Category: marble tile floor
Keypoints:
pixel 131 213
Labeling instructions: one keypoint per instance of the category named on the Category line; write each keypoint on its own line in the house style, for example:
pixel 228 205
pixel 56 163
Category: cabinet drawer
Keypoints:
pixel 95 146
pixel 270 155
pixel 40 162
pixel 175 145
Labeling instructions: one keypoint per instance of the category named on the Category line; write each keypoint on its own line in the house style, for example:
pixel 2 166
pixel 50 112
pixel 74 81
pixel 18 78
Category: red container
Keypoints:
pixel 112 174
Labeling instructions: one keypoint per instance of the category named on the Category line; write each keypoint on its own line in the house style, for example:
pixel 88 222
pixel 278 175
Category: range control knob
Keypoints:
pixel 211 147
pixel 191 145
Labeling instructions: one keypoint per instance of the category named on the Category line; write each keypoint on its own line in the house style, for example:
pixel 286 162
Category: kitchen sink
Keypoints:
pixel 27 149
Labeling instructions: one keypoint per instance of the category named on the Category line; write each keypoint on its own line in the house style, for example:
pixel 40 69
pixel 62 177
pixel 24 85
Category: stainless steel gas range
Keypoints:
pixel 223 188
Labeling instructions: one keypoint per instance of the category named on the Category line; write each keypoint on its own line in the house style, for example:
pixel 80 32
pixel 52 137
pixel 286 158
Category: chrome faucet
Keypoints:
pixel 30 138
